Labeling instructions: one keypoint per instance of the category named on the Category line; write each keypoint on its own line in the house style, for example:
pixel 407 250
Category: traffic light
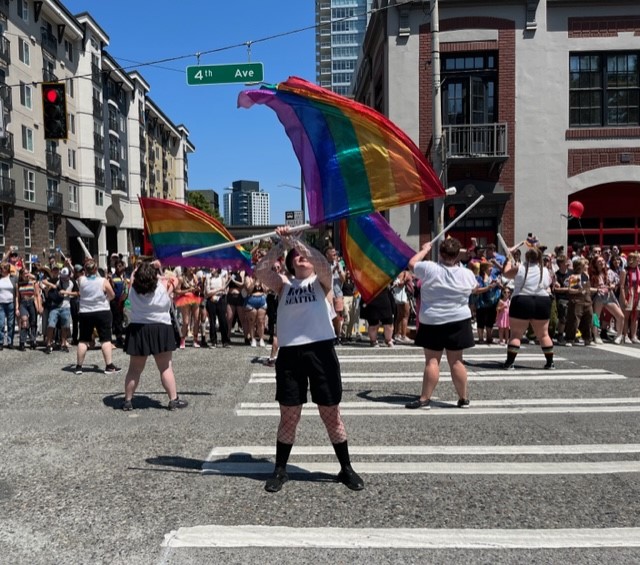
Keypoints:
pixel 54 110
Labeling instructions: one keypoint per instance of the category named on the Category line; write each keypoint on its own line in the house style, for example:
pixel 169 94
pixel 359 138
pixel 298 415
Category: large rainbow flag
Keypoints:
pixel 353 159
pixel 174 228
pixel 373 252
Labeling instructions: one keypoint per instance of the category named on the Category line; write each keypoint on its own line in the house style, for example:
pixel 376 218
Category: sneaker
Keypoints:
pixel 78 370
pixel 348 477
pixel 463 403
pixel 551 366
pixel 48 349
pixel 375 344
pixel 426 404
pixel 254 343
pixel 634 340
pixel 561 340
pixel 196 345
pixel 275 482
pixel 22 347
pixel 508 366
pixel 226 345
pixel 177 403
pixel 111 369
pixel 390 344
pixel 182 344
pixel 598 340
pixel 127 406
pixel 65 349
pixel 568 344
pixel 262 343
pixel 618 339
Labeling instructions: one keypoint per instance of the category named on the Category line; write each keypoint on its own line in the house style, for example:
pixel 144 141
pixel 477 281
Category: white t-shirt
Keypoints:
pixel 7 287
pixel 303 313
pixel 533 285
pixel 150 308
pixel 444 292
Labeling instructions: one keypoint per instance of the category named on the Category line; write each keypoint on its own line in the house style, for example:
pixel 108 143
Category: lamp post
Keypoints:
pixel 301 189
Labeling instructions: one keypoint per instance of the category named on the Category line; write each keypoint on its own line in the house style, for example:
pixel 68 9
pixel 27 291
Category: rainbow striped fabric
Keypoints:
pixel 174 228
pixel 373 252
pixel 353 159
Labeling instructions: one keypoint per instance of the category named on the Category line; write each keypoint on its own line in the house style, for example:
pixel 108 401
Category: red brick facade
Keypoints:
pixel 14 231
pixel 605 26
pixel 583 160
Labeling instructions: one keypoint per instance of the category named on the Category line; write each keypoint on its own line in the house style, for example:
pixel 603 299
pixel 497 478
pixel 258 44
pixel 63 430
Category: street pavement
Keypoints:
pixel 544 467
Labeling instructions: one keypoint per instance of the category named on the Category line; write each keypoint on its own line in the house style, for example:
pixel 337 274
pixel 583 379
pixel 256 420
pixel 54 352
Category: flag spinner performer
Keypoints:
pixel 530 302
pixel 307 358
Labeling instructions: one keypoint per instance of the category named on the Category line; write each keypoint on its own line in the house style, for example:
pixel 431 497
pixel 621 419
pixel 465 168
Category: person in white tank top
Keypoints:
pixel 307 357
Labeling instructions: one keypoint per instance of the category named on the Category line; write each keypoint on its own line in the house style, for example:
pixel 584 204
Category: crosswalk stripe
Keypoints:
pixel 400 538
pixel 429 468
pixel 420 358
pixel 412 450
pixel 621 350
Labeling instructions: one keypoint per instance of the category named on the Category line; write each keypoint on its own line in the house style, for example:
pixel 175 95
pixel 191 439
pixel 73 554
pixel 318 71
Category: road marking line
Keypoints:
pixel 420 358
pixel 576 449
pixel 621 350
pixel 401 538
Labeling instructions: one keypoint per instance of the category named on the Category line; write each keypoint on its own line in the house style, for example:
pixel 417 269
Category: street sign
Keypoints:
pixel 293 218
pixel 198 75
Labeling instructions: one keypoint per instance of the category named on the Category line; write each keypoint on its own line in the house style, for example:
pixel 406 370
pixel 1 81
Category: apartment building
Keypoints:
pixel 540 106
pixel 246 205
pixel 86 186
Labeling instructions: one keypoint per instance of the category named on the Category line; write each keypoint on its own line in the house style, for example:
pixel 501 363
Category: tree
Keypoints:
pixel 197 200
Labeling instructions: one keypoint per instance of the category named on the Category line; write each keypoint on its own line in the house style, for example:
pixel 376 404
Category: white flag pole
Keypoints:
pixel 87 254
pixel 445 230
pixel 234 242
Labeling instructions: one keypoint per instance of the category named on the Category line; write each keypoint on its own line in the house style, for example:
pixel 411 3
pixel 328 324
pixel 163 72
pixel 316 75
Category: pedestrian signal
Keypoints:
pixel 54 110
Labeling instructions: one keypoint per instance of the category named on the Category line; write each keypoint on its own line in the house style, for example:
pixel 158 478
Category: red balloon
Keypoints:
pixel 576 209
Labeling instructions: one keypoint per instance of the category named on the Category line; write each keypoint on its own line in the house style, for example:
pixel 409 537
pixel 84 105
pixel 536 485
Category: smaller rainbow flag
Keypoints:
pixel 354 160
pixel 373 252
pixel 174 228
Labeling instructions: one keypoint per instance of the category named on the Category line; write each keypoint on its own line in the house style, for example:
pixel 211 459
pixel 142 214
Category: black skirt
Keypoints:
pixel 149 339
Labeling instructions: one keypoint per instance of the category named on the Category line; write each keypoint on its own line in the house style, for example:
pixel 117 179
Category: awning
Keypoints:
pixel 78 228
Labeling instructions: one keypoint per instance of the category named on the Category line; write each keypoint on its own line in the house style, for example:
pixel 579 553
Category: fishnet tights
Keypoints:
pixel 330 415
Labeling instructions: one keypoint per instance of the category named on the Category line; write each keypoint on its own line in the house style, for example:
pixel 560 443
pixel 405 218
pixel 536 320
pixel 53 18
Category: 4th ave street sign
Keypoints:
pixel 225 74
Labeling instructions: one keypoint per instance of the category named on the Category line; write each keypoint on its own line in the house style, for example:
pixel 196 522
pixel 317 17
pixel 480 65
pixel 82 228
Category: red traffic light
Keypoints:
pixel 51 95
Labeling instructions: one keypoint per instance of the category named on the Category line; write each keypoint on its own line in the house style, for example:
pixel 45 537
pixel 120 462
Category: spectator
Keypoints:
pixel 8 303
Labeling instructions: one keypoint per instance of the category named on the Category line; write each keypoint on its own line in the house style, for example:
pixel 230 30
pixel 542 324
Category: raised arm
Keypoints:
pixel 420 255
pixel 264 269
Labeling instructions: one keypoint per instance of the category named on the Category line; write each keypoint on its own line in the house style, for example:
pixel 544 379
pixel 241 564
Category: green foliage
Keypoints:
pixel 197 200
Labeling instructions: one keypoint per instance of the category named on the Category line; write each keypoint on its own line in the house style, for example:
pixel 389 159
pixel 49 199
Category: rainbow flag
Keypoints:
pixel 373 252
pixel 353 159
pixel 174 228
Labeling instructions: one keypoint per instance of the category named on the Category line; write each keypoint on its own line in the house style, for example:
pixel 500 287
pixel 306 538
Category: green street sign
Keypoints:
pixel 225 74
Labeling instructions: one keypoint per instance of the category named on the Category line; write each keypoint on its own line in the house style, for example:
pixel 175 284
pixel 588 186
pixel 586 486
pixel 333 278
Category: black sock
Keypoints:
pixel 342 451
pixel 512 352
pixel 548 354
pixel 282 453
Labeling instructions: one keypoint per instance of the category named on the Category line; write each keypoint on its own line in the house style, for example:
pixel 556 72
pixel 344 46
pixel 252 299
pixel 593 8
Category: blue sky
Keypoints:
pixel 231 143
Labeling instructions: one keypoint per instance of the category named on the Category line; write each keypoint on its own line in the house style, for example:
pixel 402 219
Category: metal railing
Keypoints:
pixel 6 145
pixel 99 175
pixel 48 75
pixel 54 202
pixel 7 190
pixel 49 42
pixel 476 140
pixel 54 163
pixel 97 108
pixel 5 50
pixel 98 142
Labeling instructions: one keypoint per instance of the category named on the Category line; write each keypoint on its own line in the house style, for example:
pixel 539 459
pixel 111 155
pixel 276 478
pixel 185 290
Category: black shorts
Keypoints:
pixel 486 317
pixel 235 300
pixel 530 307
pixel 100 321
pixel 453 336
pixel 311 366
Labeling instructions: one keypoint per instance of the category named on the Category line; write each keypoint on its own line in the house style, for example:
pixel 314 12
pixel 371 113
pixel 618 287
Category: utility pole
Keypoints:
pixel 436 151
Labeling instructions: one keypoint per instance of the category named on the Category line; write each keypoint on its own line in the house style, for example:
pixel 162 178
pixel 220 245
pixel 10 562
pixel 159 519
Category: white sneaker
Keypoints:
pixel 629 341
pixel 618 339
pixel 262 343
pixel 253 343
pixel 598 340
pixel 634 340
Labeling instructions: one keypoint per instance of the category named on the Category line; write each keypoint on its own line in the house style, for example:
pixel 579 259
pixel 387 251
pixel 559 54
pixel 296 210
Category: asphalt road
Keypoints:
pixel 544 467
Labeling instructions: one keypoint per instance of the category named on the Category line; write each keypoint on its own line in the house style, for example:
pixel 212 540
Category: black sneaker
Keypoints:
pixel 463 403
pixel 348 477
pixel 419 404
pixel 508 366
pixel 275 482
pixel 550 366
pixel 111 369
pixel 127 406
pixel 78 370
pixel 22 347
pixel 177 403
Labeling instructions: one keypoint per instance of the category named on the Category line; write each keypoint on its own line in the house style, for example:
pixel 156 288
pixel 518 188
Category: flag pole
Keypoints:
pixel 445 230
pixel 234 242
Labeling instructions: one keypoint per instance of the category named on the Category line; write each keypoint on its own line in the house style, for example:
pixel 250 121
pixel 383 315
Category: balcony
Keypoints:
pixel 6 146
pixel 5 95
pixel 99 176
pixel 49 42
pixel 48 75
pixel 97 108
pixel 54 202
pixel 143 169
pixel 119 184
pixel 96 74
pixel 476 143
pixel 113 123
pixel 114 156
pixel 54 163
pixel 98 142
pixel 165 164
pixel 152 178
pixel 7 190
pixel 5 51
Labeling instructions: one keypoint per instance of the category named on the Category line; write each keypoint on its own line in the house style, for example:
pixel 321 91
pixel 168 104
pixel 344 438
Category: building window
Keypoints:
pixel 26 92
pixel 68 49
pixel 29 186
pixel 27 228
pixel 73 198
pixel 51 222
pixel 604 89
pixel 24 54
pixel 99 197
pixel 52 186
pixel 72 123
pixel 2 242
pixel 72 158
pixel 23 10
pixel 70 91
pixel 27 138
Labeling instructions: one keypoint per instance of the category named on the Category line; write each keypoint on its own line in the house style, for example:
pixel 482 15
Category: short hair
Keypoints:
pixel 450 247
pixel 288 261
pixel 90 267
pixel 145 279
